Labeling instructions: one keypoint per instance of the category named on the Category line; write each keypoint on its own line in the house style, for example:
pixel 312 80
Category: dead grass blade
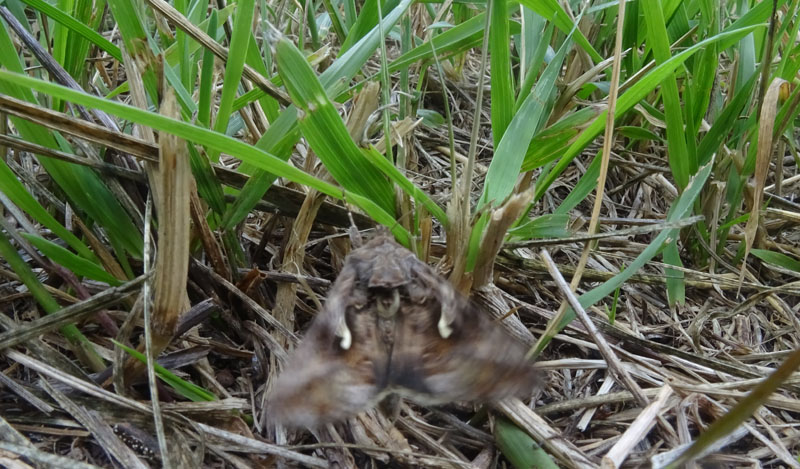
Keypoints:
pixel 110 443
pixel 605 350
pixel 541 431
pixel 766 127
pixel 128 404
pixel 42 457
pixel 500 220
pixel 741 412
pixel 172 261
pixel 221 52
pixel 637 430
pixel 69 314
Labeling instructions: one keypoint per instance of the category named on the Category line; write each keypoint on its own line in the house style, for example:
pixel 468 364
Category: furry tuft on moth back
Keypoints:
pixel 391 324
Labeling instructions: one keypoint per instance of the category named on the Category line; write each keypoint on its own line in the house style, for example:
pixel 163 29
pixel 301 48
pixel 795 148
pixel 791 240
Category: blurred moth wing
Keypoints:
pixel 392 325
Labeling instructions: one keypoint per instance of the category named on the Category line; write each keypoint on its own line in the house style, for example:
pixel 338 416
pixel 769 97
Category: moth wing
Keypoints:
pixel 476 361
pixel 335 372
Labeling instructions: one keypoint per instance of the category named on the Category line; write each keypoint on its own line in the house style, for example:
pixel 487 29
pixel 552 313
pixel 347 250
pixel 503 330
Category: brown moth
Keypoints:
pixel 392 325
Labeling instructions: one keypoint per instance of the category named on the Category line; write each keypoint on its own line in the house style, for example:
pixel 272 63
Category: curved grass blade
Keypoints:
pixel 83 186
pixel 406 184
pixel 629 99
pixel 79 343
pixel 76 26
pixel 520 449
pixel 240 39
pixel 325 132
pixel 231 146
pixel 73 262
pixel 209 138
pixel 186 389
pixel 283 133
pixel 680 209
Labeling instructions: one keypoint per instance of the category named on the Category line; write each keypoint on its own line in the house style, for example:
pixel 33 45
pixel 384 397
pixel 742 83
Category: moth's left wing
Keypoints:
pixel 338 369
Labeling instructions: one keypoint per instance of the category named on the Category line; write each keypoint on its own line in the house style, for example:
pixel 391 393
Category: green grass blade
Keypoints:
pixel 76 264
pixel 240 40
pixel 532 40
pixel 77 47
pixel 209 187
pixel 553 141
pixel 182 43
pixel 279 140
pixel 585 186
pixel 211 139
pixel 552 225
pixel 502 86
pixel 676 287
pixel 387 168
pixel 680 209
pixel 757 15
pixel 725 122
pixel 254 59
pixel 536 59
pixel 205 94
pixel 129 21
pixel 682 163
pixel 76 26
pixel 366 21
pixel 627 100
pixel 236 148
pixel 742 411
pixel 451 41
pixel 551 10
pixel 519 448
pixel 83 186
pixel 349 62
pixel 325 132
pixel 510 153
pixel 80 343
pixel 777 259
pixel 14 190
pixel 185 388
pixel 283 133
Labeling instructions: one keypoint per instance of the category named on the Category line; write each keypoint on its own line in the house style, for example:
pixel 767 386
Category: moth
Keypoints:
pixel 392 325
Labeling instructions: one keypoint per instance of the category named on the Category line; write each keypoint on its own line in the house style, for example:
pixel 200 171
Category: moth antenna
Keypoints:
pixel 387 230
pixel 353 233
pixel 400 218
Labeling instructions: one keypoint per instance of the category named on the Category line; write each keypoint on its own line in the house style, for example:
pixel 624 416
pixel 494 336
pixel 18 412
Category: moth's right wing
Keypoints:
pixel 449 350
